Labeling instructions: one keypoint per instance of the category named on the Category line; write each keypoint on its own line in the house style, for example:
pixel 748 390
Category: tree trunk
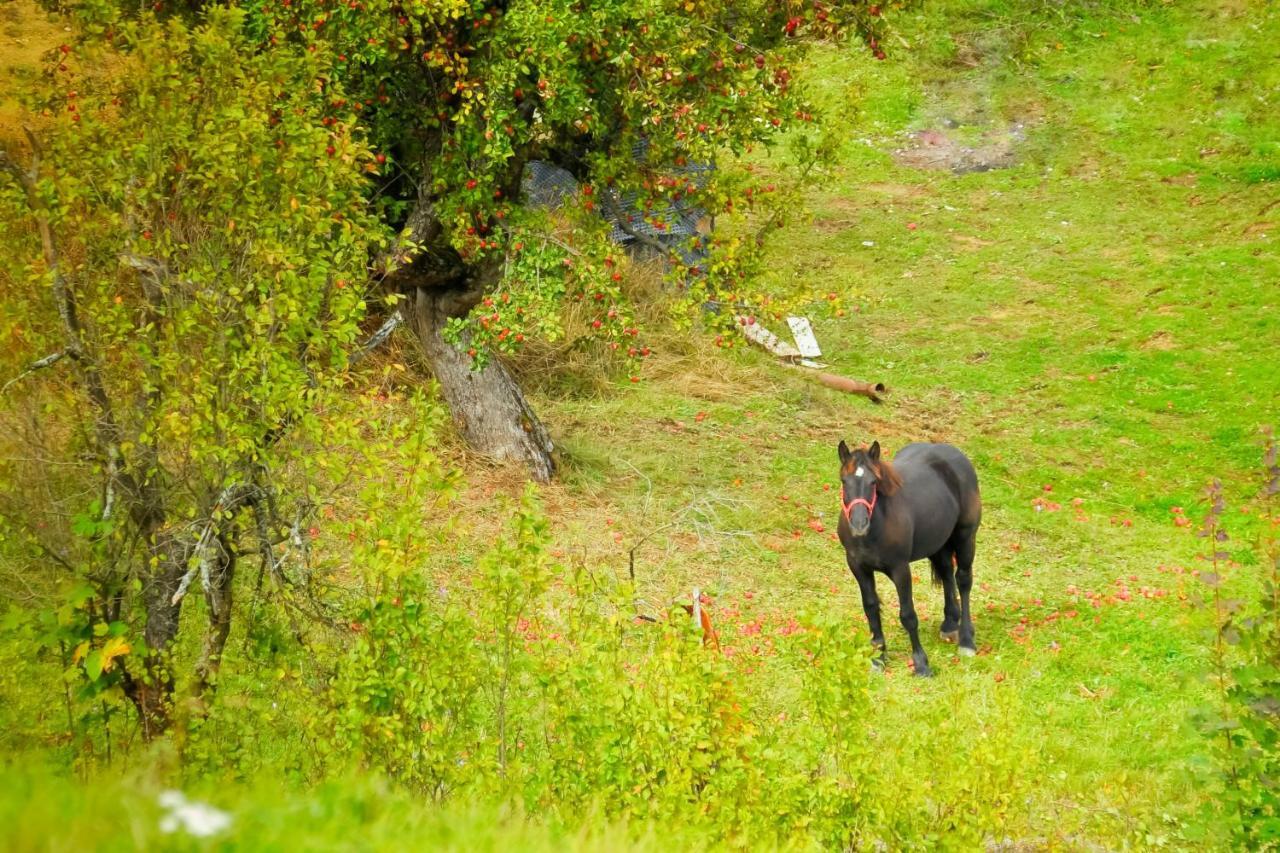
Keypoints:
pixel 488 407
pixel 153 691
pixel 218 599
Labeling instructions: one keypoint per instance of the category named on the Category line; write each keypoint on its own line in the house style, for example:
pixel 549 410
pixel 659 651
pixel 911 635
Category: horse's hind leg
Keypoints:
pixel 944 573
pixel 965 550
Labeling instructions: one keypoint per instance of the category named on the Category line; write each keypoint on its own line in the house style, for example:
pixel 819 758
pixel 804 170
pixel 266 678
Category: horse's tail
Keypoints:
pixel 937 576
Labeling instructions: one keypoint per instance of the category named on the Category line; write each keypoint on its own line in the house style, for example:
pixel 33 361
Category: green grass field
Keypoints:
pixel 1097 326
pixel 1100 320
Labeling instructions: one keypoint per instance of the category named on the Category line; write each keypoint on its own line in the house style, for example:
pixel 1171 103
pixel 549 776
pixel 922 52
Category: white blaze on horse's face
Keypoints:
pixel 856 492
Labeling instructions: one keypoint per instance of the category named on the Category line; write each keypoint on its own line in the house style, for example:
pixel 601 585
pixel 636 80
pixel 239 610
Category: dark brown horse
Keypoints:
pixel 923 504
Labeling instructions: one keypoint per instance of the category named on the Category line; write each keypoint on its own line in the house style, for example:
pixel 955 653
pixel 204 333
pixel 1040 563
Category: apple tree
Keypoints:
pixel 456 97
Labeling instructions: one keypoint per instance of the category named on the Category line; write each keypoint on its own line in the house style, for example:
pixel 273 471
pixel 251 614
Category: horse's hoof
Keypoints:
pixel 950 636
pixel 924 672
pixel 968 652
pixel 877 665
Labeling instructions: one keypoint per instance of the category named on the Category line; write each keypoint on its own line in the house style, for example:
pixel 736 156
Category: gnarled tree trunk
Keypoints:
pixel 488 407
pixel 438 284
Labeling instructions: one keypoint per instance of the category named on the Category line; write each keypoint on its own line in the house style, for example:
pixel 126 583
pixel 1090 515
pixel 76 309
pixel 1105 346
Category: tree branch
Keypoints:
pixel 204 552
pixel 106 428
pixel 38 364
pixel 621 220
pixel 375 340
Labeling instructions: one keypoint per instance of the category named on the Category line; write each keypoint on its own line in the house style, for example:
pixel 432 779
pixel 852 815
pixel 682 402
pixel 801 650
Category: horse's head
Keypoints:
pixel 861 482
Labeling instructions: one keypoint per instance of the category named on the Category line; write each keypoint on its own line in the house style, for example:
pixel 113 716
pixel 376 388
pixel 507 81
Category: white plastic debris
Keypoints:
pixel 802 332
pixel 199 819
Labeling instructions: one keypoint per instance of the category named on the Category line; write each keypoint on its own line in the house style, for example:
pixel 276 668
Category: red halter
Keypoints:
pixel 869 504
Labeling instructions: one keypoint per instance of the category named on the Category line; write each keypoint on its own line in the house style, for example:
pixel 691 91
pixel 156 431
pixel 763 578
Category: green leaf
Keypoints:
pixel 93 664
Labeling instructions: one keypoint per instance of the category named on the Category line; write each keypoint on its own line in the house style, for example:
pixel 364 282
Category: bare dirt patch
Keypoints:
pixel 895 190
pixel 942 150
pixel 970 243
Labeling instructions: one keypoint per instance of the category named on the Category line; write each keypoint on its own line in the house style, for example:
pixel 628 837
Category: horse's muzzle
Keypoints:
pixel 859 522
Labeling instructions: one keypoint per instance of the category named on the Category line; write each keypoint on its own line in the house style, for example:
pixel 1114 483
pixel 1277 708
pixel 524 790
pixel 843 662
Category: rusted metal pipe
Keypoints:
pixel 870 390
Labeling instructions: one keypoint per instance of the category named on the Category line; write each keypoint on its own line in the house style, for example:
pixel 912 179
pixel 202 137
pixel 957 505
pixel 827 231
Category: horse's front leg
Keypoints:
pixel 907 613
pixel 870 606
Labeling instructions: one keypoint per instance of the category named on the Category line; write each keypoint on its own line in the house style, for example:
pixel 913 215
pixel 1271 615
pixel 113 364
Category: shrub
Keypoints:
pixel 1245 729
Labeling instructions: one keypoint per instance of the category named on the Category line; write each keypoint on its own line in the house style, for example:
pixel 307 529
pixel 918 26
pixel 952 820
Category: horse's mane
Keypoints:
pixel 889 481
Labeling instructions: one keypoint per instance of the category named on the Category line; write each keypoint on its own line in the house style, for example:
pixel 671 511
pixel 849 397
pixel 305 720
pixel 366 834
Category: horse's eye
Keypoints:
pixel 859 472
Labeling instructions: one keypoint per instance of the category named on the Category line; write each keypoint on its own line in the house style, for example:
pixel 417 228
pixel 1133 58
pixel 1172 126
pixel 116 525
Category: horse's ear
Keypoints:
pixel 874 452
pixel 845 453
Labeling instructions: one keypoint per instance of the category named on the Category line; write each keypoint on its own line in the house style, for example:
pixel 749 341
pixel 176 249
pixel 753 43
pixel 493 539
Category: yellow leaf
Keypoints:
pixel 80 651
pixel 115 647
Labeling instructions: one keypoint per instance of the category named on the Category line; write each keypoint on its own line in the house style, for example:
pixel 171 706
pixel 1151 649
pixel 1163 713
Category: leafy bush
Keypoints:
pixel 406 698
pixel 1245 729
pixel 536 684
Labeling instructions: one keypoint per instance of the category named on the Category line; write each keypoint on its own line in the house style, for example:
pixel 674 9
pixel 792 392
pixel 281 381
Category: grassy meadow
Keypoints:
pixel 1097 325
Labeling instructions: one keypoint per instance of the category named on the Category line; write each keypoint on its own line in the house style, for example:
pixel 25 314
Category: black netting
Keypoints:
pixel 547 185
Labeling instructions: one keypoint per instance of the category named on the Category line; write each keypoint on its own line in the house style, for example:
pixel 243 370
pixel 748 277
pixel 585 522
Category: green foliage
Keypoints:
pixel 665 736
pixel 455 96
pixel 1245 729
pixel 406 696
pixel 187 244
pixel 1047 325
